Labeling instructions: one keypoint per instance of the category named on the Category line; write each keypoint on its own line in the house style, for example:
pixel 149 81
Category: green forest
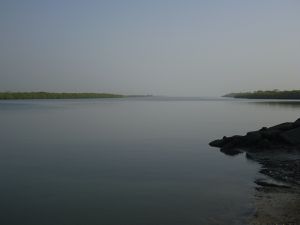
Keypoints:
pixel 274 94
pixel 49 95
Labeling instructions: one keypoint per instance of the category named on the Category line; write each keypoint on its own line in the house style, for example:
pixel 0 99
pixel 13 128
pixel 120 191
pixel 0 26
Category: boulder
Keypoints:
pixel 284 136
pixel 297 123
pixel 252 138
pixel 227 141
pixel 283 126
pixel 291 136
pixel 264 144
pixel 217 143
pixel 271 134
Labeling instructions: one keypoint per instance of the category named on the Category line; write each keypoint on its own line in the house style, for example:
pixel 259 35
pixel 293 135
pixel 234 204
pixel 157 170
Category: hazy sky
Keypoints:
pixel 162 47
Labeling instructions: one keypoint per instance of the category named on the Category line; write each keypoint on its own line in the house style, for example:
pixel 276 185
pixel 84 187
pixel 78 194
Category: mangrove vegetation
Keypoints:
pixel 51 95
pixel 274 94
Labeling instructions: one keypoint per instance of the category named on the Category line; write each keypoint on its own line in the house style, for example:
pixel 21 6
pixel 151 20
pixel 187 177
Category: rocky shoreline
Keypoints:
pixel 277 150
pixel 285 136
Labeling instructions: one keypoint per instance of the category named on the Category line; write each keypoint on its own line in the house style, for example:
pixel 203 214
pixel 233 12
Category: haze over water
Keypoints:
pixel 142 160
pixel 159 47
pixel 128 161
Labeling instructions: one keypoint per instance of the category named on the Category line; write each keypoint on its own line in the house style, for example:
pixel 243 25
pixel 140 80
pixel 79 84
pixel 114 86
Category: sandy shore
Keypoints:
pixel 277 201
pixel 275 205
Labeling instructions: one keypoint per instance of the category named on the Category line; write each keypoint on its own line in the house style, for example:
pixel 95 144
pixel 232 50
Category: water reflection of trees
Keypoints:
pixel 278 104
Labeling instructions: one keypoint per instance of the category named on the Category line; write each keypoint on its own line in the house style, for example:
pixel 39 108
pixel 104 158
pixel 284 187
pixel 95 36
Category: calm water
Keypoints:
pixel 141 161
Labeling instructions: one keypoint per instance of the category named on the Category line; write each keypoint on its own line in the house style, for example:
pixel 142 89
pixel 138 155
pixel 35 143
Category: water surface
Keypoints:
pixel 136 161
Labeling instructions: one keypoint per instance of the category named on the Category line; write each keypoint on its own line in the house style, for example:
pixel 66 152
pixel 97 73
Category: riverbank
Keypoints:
pixel 277 195
pixel 53 95
pixel 277 150
pixel 275 205
pixel 285 136
pixel 275 94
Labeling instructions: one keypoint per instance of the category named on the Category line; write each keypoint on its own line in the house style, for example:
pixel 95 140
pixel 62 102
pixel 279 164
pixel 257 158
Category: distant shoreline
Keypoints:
pixel 274 94
pixel 54 95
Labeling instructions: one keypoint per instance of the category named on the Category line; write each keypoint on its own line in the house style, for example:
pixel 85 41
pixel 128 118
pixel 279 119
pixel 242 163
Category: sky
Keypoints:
pixel 160 47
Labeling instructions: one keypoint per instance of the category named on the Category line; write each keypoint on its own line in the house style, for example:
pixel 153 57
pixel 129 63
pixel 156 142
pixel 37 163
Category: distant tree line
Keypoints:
pixel 274 94
pixel 49 95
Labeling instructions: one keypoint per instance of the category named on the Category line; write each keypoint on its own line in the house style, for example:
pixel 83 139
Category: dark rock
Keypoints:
pixel 297 123
pixel 230 145
pixel 253 138
pixel 292 136
pixel 264 144
pixel 263 129
pixel 229 141
pixel 270 134
pixel 282 126
pixel 284 168
pixel 284 136
pixel 217 143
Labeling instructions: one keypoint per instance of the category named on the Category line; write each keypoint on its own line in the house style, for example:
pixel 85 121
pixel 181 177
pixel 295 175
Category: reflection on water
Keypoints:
pixel 130 161
pixel 278 104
